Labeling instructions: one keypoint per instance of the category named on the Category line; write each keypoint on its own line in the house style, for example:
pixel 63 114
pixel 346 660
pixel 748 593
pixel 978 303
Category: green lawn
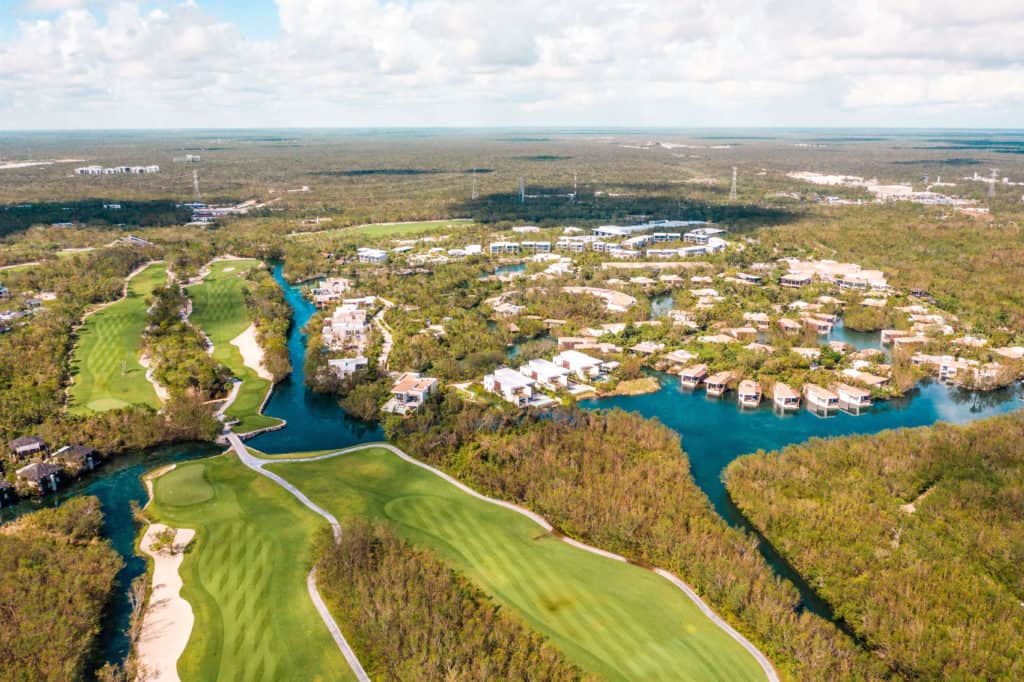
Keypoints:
pixel 218 308
pixel 245 576
pixel 105 363
pixel 611 618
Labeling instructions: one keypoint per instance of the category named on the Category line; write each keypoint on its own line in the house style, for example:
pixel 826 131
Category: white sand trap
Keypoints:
pixel 167 623
pixel 252 353
pixel 229 269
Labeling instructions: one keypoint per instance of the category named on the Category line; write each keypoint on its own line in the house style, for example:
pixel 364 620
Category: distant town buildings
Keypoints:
pixel 117 170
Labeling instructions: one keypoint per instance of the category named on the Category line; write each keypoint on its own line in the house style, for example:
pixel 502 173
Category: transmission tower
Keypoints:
pixel 522 190
pixel 575 189
pixel 476 194
pixel 195 186
pixel 992 185
pixel 732 190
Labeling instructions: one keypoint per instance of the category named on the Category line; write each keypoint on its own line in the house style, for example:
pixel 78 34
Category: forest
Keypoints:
pixel 94 213
pixel 56 575
pixel 273 318
pixel 177 351
pixel 410 617
pixel 916 538
pixel 621 482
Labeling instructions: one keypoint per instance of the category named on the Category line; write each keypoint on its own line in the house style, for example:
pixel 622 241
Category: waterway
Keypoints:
pixel 714 432
pixel 117 484
pixel 315 422
pixel 510 269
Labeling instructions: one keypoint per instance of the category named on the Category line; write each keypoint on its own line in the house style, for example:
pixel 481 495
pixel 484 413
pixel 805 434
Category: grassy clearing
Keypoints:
pixel 218 308
pixel 613 619
pixel 245 576
pixel 400 229
pixel 105 363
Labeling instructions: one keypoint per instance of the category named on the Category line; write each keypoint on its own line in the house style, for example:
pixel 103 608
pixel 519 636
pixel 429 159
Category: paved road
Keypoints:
pixel 256 464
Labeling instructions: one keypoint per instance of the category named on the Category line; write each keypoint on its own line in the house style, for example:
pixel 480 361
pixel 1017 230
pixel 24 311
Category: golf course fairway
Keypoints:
pixel 614 619
pixel 245 576
pixel 105 362
pixel 218 308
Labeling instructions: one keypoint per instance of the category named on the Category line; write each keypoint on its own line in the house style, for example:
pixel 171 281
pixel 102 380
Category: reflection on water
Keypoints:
pixel 315 422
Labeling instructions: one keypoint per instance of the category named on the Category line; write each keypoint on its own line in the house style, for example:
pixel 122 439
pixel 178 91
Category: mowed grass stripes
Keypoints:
pixel 105 363
pixel 218 308
pixel 245 577
pixel 613 619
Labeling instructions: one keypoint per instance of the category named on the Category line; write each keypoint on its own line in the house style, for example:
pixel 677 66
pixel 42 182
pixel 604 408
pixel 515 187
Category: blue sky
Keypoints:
pixel 685 63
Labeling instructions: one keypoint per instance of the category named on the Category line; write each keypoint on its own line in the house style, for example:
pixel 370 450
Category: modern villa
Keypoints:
pixel 693 376
pixel 784 397
pixel 511 385
pixel 749 393
pixel 820 398
pixel 717 384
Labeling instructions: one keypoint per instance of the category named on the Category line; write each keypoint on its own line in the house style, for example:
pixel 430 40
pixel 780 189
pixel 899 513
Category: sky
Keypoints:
pixel 81 64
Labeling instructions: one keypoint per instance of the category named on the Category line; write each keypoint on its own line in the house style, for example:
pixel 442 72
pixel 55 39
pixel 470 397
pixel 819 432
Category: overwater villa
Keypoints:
pixel 749 393
pixel 822 327
pixel 819 397
pixel 717 384
pixel 789 326
pixel 852 396
pixel 784 397
pixel 691 377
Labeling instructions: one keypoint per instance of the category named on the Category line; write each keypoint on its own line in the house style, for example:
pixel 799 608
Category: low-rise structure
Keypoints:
pixel 24 447
pixel 410 392
pixel 749 393
pixel 582 365
pixel 346 367
pixel 785 397
pixel 717 384
pixel 546 373
pixel 43 477
pixel 511 385
pixel 693 376
pixel 820 398
pixel 366 254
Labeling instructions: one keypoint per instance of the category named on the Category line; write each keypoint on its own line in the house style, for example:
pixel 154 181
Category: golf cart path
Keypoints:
pixel 258 464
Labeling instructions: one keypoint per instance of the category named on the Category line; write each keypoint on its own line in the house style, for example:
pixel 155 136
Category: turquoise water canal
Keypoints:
pixel 315 422
pixel 713 432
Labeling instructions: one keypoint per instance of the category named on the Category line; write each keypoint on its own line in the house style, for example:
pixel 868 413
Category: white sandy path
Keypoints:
pixel 167 623
pixel 252 352
pixel 258 465
pixel 161 391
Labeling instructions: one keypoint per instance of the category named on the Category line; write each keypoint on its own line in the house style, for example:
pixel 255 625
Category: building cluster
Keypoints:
pixel 346 331
pixel 330 291
pixel 700 241
pixel 844 275
pixel 881 192
pixel 570 370
pixel 38 470
pixel 117 170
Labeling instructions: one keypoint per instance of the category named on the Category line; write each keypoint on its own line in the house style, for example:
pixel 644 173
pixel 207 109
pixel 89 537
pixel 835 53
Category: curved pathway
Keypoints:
pixel 258 464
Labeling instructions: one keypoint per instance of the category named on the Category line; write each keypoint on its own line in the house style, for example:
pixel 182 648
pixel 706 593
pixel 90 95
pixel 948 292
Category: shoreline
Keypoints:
pixel 168 619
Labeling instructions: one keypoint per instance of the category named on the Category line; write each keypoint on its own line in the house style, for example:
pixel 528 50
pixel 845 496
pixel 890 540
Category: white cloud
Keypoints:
pixel 370 62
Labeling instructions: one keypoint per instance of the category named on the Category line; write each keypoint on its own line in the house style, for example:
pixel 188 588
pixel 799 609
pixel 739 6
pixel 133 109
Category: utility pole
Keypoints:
pixel 195 186
pixel 522 190
pixel 476 194
pixel 992 185
pixel 575 189
pixel 732 190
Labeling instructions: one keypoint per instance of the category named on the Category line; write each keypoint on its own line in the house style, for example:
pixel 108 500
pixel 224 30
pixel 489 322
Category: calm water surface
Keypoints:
pixel 315 422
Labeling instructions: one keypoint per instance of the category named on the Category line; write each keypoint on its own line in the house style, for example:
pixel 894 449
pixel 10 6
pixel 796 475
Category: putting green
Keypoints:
pixel 185 486
pixel 218 308
pixel 612 618
pixel 105 362
pixel 245 576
